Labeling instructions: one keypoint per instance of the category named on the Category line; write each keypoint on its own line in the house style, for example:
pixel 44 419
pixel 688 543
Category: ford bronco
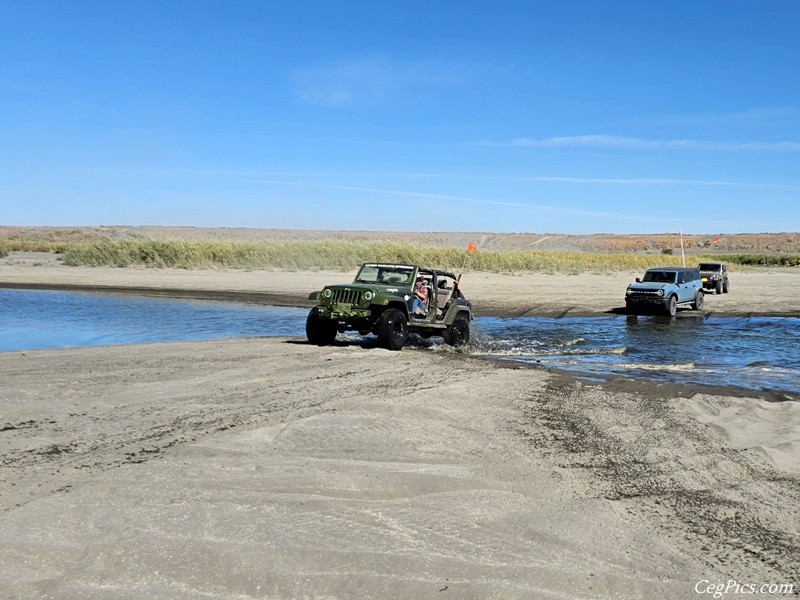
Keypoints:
pixel 380 301
pixel 664 289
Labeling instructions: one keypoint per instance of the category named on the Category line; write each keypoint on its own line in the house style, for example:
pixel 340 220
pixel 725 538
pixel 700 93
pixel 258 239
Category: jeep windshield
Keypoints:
pixel 660 276
pixel 385 274
pixel 710 266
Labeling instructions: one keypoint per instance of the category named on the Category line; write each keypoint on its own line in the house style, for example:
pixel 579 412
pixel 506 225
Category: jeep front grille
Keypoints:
pixel 346 297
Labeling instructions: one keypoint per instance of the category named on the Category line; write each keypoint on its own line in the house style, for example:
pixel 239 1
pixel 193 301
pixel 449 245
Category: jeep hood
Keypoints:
pixel 363 287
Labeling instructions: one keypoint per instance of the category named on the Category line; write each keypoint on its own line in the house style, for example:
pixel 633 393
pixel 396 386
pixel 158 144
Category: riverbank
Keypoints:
pixel 769 292
pixel 268 468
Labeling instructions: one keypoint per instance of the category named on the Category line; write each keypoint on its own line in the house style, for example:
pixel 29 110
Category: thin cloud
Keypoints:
pixel 648 181
pixel 258 175
pixel 457 198
pixel 16 87
pixel 368 82
pixel 633 143
pixel 760 115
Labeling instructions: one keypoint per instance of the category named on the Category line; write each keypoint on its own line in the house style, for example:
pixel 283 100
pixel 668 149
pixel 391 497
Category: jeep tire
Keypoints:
pixel 319 331
pixel 725 287
pixel 671 306
pixel 392 329
pixel 698 300
pixel 718 287
pixel 457 334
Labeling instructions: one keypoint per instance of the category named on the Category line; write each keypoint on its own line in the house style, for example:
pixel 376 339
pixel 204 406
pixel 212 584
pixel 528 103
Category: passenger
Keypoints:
pixel 420 305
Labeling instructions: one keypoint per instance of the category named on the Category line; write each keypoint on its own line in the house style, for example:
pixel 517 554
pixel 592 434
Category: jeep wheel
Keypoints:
pixel 457 334
pixel 671 307
pixel 319 331
pixel 698 300
pixel 725 287
pixel 391 329
pixel 718 287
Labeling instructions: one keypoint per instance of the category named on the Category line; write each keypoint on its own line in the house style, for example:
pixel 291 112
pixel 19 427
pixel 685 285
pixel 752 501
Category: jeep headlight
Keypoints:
pixel 368 295
pixel 660 292
pixel 327 293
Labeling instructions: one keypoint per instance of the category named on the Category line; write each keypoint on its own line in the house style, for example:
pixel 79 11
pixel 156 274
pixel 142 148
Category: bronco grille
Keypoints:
pixel 346 296
pixel 644 292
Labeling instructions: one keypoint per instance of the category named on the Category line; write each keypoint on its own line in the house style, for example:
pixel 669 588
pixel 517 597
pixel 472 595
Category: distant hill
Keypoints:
pixel 762 243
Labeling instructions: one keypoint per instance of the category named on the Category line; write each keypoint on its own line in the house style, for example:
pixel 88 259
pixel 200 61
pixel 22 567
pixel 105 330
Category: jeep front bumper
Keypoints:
pixel 343 312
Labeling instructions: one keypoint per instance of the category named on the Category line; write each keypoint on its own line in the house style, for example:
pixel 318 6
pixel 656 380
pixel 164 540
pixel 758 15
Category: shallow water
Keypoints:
pixel 32 319
pixel 757 352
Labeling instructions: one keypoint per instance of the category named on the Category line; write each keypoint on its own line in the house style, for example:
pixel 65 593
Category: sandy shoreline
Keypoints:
pixel 269 468
pixel 762 292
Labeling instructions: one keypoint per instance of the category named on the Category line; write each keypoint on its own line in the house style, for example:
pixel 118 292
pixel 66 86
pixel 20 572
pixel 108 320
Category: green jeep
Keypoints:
pixel 381 301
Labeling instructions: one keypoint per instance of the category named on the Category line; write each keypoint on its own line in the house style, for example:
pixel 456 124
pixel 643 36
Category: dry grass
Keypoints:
pixel 347 255
pixel 254 249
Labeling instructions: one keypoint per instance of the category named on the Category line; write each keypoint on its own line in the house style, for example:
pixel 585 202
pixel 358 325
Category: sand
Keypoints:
pixel 760 292
pixel 269 468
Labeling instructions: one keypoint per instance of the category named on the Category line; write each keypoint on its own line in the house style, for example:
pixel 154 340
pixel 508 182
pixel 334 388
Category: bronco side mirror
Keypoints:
pixel 638 280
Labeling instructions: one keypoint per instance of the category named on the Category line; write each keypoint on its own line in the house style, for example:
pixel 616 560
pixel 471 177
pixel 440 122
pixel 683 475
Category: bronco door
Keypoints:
pixel 686 290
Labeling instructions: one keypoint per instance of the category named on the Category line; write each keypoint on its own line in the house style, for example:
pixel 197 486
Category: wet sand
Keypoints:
pixel 760 292
pixel 269 468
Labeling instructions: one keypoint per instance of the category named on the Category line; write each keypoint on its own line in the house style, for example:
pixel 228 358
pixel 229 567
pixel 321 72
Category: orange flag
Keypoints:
pixel 471 248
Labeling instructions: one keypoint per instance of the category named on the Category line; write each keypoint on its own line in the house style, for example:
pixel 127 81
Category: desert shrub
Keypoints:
pixel 346 255
pixel 12 245
pixel 343 255
pixel 762 260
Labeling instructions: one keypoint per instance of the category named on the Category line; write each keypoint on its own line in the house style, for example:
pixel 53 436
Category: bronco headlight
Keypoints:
pixel 368 296
pixel 326 293
pixel 660 292
pixel 628 292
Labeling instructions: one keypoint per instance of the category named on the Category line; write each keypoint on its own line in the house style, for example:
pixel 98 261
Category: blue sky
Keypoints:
pixel 563 116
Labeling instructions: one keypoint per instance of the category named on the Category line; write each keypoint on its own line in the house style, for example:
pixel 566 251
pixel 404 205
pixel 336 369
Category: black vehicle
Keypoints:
pixel 715 276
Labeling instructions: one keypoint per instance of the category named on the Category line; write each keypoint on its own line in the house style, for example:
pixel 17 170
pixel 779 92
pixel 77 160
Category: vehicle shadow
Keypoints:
pixel 366 342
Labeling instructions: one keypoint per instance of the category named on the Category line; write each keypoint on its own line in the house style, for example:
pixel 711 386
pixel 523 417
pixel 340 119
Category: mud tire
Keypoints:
pixel 392 329
pixel 319 331
pixel 457 334
pixel 698 300
pixel 671 306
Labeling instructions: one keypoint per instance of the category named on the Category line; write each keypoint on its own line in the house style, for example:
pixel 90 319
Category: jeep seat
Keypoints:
pixel 443 295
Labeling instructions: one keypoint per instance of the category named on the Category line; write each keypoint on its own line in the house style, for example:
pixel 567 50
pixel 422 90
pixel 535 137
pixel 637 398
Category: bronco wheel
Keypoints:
pixel 457 334
pixel 392 329
pixel 718 287
pixel 671 307
pixel 698 300
pixel 319 331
